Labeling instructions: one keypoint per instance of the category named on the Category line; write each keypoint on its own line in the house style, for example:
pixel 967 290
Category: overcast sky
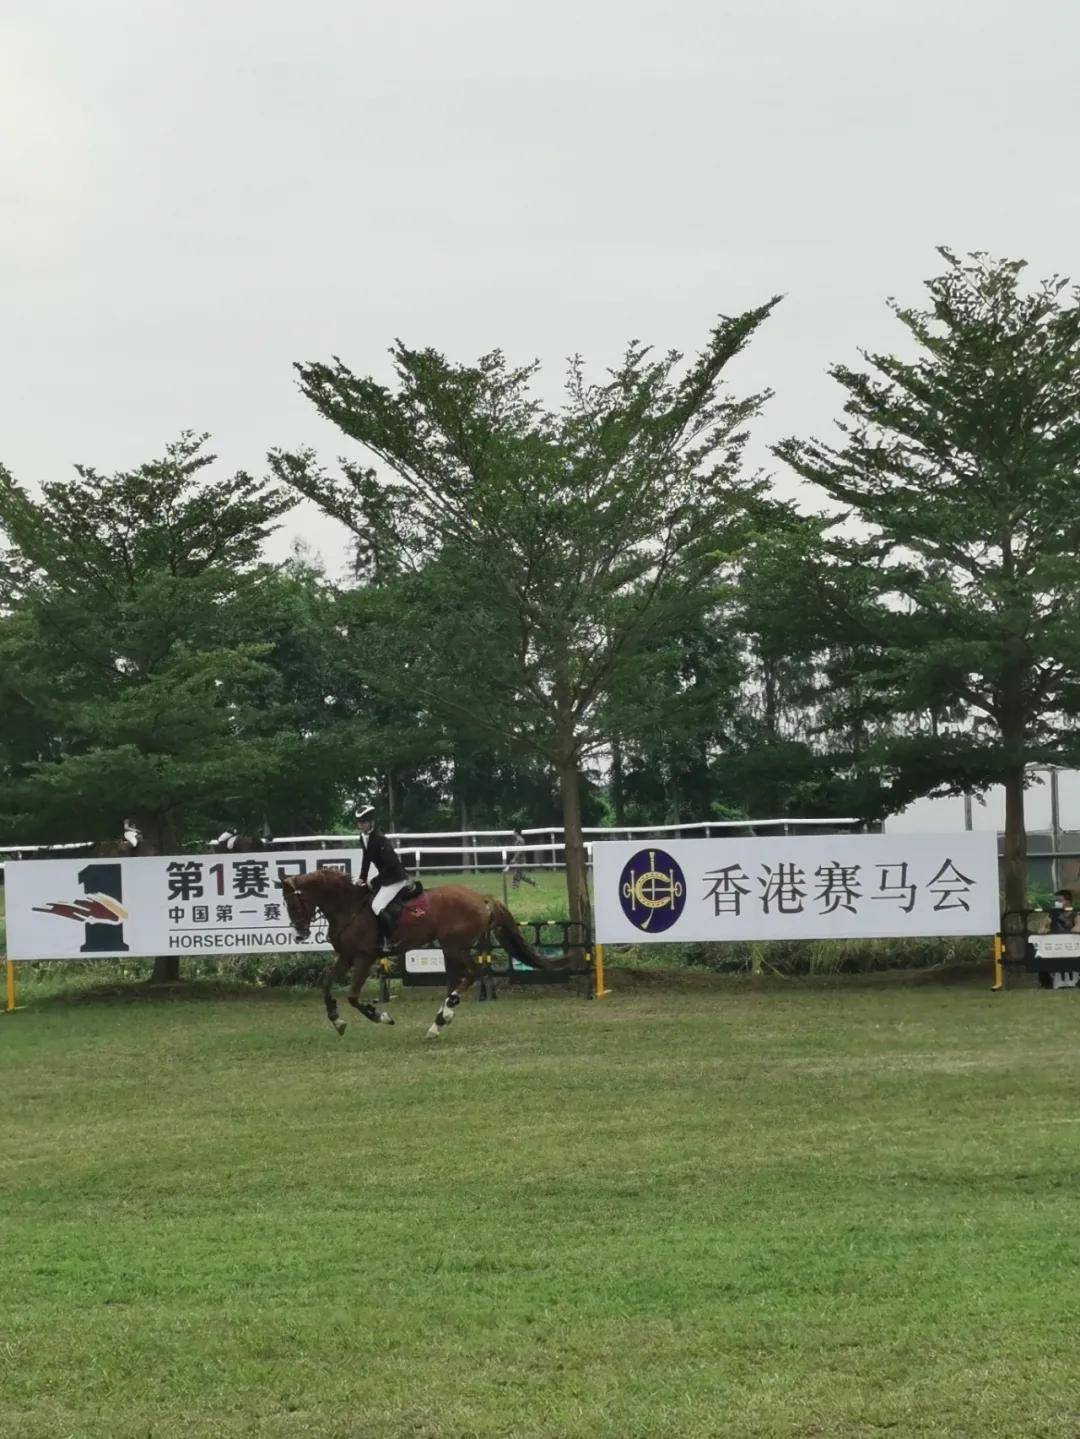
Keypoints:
pixel 196 194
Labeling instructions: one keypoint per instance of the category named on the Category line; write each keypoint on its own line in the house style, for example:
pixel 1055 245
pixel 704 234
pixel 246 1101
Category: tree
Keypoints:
pixel 533 560
pixel 799 742
pixel 149 644
pixel 961 467
pixel 666 735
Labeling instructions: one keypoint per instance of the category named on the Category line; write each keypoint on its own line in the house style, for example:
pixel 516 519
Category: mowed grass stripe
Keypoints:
pixel 812 1209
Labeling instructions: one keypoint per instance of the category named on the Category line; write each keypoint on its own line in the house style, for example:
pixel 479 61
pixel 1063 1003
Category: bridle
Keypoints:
pixel 301 926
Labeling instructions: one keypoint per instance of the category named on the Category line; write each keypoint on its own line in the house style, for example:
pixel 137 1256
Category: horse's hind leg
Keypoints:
pixel 361 970
pixel 334 973
pixel 460 973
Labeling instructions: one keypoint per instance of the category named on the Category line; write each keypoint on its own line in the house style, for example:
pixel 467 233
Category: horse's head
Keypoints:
pixel 300 905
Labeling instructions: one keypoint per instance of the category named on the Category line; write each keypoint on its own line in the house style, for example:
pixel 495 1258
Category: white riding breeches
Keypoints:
pixel 385 895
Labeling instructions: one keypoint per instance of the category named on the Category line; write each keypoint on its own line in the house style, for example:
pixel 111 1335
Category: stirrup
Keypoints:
pixel 386 942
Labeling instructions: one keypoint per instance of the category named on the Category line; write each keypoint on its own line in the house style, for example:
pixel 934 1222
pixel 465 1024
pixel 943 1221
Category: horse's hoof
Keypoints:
pixel 339 1025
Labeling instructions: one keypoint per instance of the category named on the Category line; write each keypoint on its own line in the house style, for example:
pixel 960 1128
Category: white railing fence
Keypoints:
pixel 434 851
pixel 492 849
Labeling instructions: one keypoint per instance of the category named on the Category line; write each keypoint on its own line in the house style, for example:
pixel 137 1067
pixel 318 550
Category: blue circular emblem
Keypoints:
pixel 652 890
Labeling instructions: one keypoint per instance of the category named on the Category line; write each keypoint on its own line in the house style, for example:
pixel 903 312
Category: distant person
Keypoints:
pixel 516 863
pixel 1063 920
pixel 1062 912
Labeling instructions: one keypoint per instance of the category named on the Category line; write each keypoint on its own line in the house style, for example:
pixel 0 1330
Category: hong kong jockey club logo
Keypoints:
pixel 652 890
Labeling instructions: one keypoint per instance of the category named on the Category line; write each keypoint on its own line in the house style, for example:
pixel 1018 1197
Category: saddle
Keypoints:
pixel 412 903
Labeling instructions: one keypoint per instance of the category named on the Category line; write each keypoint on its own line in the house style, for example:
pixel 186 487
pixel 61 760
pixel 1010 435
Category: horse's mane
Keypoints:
pixel 331 887
pixel 331 879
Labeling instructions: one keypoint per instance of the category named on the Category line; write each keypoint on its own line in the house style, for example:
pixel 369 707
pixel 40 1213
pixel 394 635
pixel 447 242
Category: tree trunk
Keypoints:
pixel 1012 717
pixel 1015 850
pixel 391 803
pixel 159 837
pixel 166 969
pixel 771 700
pixel 618 801
pixel 577 884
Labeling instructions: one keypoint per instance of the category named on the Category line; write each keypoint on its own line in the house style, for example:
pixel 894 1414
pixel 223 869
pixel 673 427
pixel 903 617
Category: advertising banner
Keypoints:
pixel 169 904
pixel 841 886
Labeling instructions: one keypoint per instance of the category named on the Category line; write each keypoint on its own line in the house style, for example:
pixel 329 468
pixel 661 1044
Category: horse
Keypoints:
pixel 232 843
pixel 130 844
pixel 458 919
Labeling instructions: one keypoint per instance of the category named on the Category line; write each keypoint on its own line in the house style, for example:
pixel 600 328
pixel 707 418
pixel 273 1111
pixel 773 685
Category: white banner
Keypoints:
pixel 840 886
pixel 1056 946
pixel 171 904
pixel 424 961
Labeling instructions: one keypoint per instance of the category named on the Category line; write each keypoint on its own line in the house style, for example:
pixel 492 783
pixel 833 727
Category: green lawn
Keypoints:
pixel 713 1209
pixel 545 898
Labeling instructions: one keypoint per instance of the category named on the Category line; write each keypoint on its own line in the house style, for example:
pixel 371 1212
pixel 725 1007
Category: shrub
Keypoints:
pixel 791 957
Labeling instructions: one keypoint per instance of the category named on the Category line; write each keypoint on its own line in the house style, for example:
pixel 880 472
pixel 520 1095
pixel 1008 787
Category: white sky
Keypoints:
pixel 945 815
pixel 194 195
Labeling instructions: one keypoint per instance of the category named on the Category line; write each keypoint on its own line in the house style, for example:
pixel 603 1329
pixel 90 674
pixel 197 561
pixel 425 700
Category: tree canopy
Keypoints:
pixel 156 667
pixel 528 564
pixel 572 614
pixel 957 592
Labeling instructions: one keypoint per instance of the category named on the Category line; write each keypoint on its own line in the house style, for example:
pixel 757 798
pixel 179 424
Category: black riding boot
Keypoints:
pixel 386 919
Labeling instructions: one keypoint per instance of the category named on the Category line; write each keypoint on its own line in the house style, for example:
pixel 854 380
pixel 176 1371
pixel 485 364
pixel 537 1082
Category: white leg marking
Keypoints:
pixel 445 1013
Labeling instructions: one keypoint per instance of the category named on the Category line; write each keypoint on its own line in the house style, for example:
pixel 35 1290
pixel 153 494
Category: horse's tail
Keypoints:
pixel 504 927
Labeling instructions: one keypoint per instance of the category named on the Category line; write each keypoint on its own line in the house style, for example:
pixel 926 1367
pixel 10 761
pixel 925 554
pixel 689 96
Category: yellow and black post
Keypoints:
pixel 486 986
pixel 9 1002
pixel 385 970
pixel 598 972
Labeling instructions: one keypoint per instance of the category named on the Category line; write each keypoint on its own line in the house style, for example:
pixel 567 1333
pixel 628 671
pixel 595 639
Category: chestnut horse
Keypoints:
pixel 458 919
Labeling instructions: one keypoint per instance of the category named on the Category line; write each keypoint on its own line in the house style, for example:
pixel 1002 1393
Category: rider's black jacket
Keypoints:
pixel 378 851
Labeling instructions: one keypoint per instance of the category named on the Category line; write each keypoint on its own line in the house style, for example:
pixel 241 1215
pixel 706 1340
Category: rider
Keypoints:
pixel 390 877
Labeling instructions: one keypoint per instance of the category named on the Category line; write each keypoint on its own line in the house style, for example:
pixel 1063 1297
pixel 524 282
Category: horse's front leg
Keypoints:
pixel 334 973
pixel 360 971
pixel 460 973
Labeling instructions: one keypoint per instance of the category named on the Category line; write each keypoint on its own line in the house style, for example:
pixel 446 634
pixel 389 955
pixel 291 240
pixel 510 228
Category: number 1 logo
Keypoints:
pixel 103 879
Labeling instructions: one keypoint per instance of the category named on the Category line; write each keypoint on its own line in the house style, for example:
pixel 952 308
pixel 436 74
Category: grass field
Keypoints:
pixel 545 898
pixel 718 1208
